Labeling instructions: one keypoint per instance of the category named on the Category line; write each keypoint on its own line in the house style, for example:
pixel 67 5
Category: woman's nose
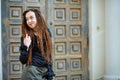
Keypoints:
pixel 29 20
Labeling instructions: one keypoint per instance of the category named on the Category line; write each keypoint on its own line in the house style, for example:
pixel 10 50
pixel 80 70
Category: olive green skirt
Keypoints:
pixel 33 73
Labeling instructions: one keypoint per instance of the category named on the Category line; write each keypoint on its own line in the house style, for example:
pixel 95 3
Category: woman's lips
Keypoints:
pixel 30 24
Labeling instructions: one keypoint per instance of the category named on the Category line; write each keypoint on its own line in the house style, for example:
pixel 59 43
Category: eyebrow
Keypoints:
pixel 28 17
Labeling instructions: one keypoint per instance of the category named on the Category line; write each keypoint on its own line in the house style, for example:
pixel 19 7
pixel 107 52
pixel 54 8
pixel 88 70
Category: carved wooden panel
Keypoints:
pixel 76 64
pixel 60 1
pixel 61 78
pixel 69 36
pixel 15 0
pixel 75 47
pixel 75 2
pixel 75 31
pixel 76 77
pixel 59 14
pixel 60 48
pixel 60 65
pixel 75 14
pixel 60 31
pixel 32 1
pixel 67 21
pixel 14 49
pixel 15 67
pixel 15 30
pixel 14 12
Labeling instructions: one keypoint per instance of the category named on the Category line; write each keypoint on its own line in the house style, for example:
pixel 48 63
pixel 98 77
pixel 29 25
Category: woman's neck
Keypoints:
pixel 35 32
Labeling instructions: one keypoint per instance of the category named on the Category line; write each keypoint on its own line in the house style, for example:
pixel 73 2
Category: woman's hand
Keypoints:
pixel 27 40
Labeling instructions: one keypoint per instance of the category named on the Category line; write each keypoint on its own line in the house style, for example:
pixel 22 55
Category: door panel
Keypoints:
pixel 12 15
pixel 68 23
pixel 69 29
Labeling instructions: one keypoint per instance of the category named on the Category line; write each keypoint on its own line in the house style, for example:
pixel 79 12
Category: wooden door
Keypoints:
pixel 68 23
pixel 11 32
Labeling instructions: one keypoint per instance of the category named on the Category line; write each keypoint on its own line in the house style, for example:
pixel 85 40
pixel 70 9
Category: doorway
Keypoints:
pixel 68 23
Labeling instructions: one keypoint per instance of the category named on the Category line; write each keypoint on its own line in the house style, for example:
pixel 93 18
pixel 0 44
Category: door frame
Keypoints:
pixel 5 39
pixel 0 47
pixel 4 47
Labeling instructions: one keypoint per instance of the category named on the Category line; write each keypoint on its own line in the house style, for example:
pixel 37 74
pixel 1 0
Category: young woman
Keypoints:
pixel 36 47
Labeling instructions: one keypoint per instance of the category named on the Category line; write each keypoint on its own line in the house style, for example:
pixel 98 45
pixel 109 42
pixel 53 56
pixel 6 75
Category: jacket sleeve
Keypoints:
pixel 23 52
pixel 49 74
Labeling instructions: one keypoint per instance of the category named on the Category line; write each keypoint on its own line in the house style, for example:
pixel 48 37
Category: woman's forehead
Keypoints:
pixel 30 13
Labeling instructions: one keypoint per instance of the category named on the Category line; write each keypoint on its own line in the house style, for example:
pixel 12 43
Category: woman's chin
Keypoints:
pixel 32 27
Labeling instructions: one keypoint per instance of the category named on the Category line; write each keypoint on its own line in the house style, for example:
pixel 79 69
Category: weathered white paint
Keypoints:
pixel 96 39
pixel 112 40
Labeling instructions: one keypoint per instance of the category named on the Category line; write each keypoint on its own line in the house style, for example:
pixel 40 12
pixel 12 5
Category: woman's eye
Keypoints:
pixel 31 17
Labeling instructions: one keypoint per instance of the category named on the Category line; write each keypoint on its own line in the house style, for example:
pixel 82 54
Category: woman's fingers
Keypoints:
pixel 28 37
pixel 27 40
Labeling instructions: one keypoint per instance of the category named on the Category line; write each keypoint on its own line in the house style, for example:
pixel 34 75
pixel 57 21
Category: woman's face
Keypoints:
pixel 31 19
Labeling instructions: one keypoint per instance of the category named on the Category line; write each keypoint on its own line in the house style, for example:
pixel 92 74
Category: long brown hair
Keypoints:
pixel 43 35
